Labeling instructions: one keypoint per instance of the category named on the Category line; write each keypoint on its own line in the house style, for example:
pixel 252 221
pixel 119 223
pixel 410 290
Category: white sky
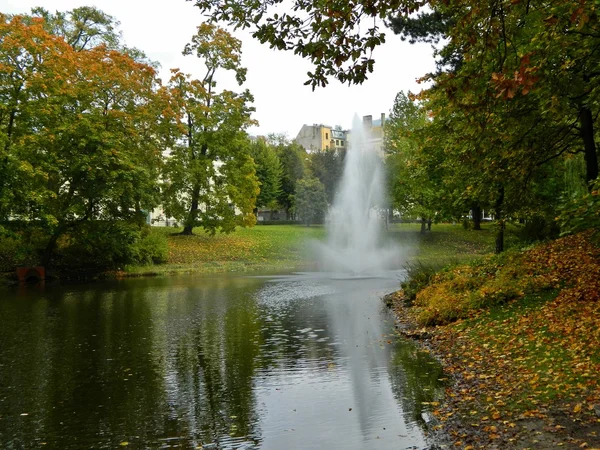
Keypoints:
pixel 161 28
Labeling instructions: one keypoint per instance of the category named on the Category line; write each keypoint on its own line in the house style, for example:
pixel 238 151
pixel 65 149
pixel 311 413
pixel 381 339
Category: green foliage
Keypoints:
pixel 82 28
pixel 109 245
pixel 466 223
pixel 327 166
pixel 293 159
pixel 151 248
pixel 99 245
pixel 311 201
pixel 268 172
pixel 328 34
pixel 209 176
pixel 539 228
pixel 15 250
pixel 414 163
pixel 581 212
pixel 418 276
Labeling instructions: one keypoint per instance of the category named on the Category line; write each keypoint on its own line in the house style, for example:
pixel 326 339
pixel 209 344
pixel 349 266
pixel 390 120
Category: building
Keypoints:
pixel 376 129
pixel 319 137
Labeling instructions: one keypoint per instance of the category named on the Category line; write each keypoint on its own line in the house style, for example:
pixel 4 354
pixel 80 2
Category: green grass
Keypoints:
pixel 261 248
pixel 447 243
pixel 287 247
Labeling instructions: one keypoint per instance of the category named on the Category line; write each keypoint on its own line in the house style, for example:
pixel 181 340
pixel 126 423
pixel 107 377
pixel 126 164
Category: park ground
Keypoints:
pixel 288 247
pixel 519 338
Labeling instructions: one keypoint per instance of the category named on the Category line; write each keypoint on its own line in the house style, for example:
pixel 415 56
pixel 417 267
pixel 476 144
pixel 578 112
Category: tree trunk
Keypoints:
pixel 586 122
pixel 500 219
pixel 193 214
pixel 423 225
pixel 50 246
pixel 476 211
pixel 429 224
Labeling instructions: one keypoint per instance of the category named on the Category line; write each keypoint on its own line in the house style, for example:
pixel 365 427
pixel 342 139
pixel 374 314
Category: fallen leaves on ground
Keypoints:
pixel 526 366
pixel 260 245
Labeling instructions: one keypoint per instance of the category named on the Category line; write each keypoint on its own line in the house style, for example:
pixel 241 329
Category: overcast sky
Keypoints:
pixel 161 28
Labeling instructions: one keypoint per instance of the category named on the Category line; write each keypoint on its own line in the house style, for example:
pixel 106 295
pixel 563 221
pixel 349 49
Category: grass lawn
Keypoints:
pixel 260 248
pixel 287 247
pixel 447 243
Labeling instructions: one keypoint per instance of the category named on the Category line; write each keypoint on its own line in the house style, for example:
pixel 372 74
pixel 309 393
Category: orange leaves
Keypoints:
pixel 523 79
pixel 528 361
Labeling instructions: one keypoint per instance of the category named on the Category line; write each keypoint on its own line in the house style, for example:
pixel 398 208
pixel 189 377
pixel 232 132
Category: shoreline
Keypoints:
pixel 466 420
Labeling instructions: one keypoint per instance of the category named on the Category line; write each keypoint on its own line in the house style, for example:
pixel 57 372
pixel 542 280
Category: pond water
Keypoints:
pixel 223 362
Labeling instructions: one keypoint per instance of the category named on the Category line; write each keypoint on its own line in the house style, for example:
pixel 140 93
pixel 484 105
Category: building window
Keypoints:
pixel 326 136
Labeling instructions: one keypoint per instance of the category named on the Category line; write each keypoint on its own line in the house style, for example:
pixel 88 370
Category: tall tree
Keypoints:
pixel 81 126
pixel 414 164
pixel 268 172
pixel 327 166
pixel 293 159
pixel 209 175
pixel 311 201
pixel 82 28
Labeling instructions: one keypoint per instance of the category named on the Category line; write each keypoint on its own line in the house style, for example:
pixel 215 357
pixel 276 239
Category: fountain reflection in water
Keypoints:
pixel 358 215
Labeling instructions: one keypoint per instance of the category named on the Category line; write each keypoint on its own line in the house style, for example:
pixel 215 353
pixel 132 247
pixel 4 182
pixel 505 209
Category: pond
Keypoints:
pixel 225 362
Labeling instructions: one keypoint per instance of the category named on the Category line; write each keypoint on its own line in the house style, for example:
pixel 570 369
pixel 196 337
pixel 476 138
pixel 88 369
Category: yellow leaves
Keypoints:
pixel 531 355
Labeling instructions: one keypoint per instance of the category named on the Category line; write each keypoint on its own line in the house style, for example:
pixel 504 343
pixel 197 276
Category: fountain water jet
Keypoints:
pixel 357 216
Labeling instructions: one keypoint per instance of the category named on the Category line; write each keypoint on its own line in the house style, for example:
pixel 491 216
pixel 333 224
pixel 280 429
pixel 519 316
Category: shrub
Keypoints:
pixel 418 276
pixel 152 247
pixel 467 223
pixel 538 228
pixel 15 250
pixel 581 213
pixel 99 245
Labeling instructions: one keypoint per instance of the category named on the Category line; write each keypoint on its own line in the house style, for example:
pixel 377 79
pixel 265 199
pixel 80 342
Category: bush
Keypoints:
pixel 99 245
pixel 467 223
pixel 581 213
pixel 15 250
pixel 418 276
pixel 538 228
pixel 152 248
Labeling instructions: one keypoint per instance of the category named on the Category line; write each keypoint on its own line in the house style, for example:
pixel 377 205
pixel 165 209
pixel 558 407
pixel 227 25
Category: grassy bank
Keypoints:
pixel 285 247
pixel 520 335
pixel 261 248
pixel 448 243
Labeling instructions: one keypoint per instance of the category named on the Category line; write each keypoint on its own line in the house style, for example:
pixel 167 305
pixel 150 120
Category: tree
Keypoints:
pixel 534 61
pixel 327 166
pixel 337 37
pixel 209 177
pixel 80 128
pixel 87 27
pixel 293 159
pixel 23 49
pixel 268 172
pixel 311 201
pixel 82 28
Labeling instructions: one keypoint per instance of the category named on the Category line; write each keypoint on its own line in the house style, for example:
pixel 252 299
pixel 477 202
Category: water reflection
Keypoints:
pixel 224 362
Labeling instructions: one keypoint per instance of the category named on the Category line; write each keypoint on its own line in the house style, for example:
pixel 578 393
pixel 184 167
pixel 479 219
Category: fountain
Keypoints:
pixel 358 214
